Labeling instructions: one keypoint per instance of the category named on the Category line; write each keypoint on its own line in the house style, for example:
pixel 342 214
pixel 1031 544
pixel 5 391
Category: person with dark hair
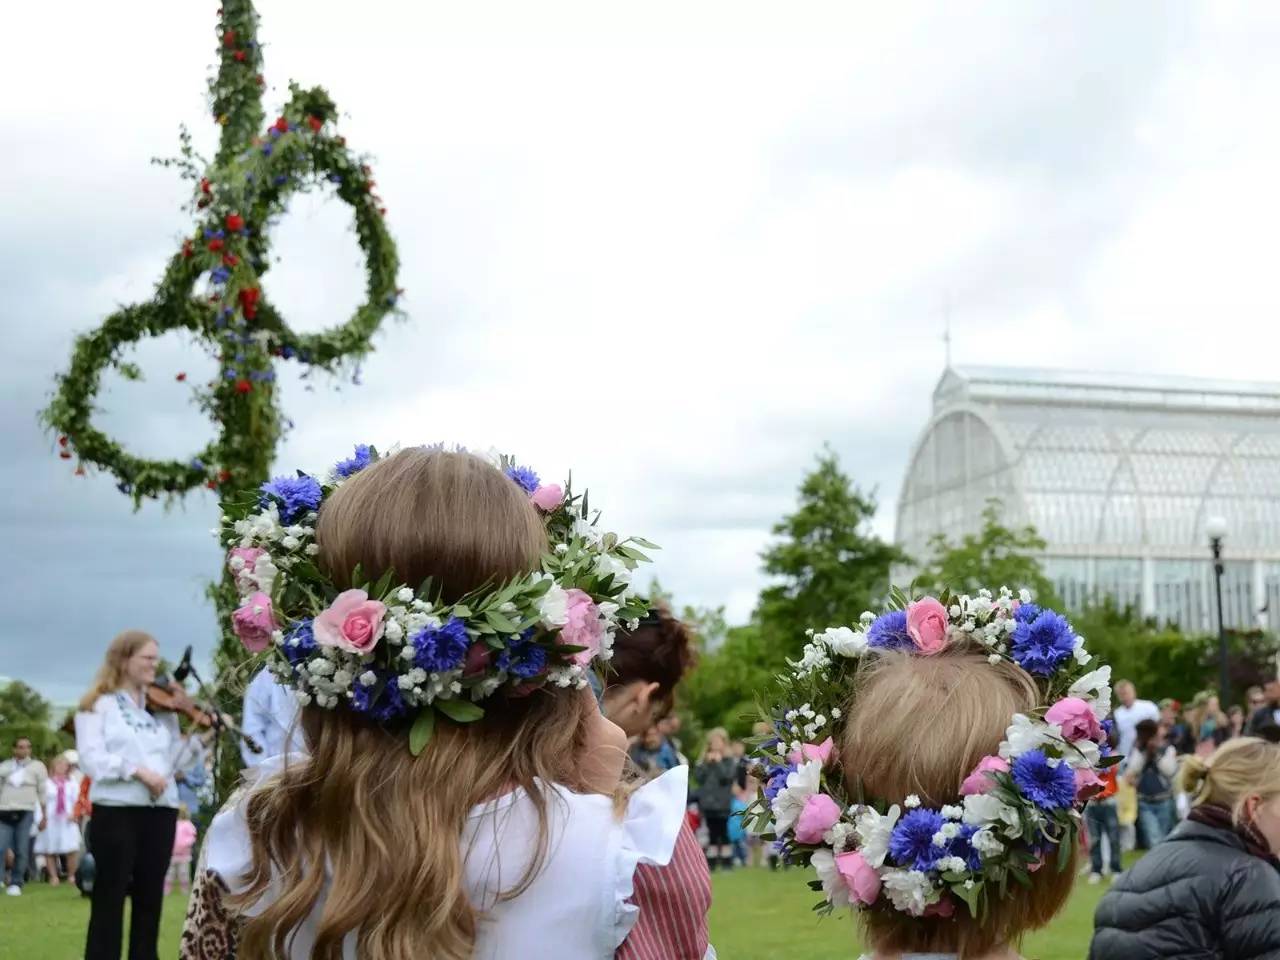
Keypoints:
pixel 1151 768
pixel 22 790
pixel 1265 710
pixel 647 664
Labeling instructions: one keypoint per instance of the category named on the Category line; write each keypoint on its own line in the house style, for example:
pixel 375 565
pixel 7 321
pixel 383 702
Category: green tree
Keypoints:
pixel 722 688
pixel 828 564
pixel 997 556
pixel 25 713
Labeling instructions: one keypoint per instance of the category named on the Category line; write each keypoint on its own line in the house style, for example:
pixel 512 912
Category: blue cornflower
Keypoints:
pixel 1049 784
pixel 960 846
pixel 229 374
pixel 220 275
pixel 266 149
pixel 1026 612
pixel 889 631
pixel 197 463
pixel 287 352
pixel 777 780
pixel 335 178
pixel 293 495
pixel 363 457
pixel 525 477
pixel 299 643
pixel 390 705
pixel 438 649
pixel 911 843
pixel 281 179
pixel 1040 647
pixel 239 358
pixel 381 700
pixel 523 658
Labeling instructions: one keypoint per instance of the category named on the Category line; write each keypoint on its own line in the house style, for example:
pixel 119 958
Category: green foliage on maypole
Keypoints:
pixel 212 289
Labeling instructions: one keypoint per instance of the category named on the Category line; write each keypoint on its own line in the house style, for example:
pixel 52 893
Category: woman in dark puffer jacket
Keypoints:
pixel 1212 889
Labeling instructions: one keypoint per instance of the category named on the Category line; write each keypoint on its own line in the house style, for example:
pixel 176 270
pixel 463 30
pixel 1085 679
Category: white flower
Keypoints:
pixel 939 839
pixel 1080 653
pixel 303 698
pixel 290 543
pixel 404 595
pixel 815 658
pixel 910 891
pixel 1095 686
pixel 835 713
pixel 393 631
pixel 321 667
pixel 833 885
pixel 1025 734
pixel 585 530
pixel 802 784
pixel 311 549
pixel 404 682
pixel 840 837
pixel 1024 595
pixel 562 548
pixel 981 608
pixel 1082 754
pixel 408 653
pixel 983 809
pixel 553 607
pixel 952 812
pixel 969 884
pixel 986 843
pixel 368 678
pixel 873 832
pixel 844 642
pixel 342 678
pixel 911 802
pixel 994 659
pixel 867 618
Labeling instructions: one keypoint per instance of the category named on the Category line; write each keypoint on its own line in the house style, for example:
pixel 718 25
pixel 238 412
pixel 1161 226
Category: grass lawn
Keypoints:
pixel 757 915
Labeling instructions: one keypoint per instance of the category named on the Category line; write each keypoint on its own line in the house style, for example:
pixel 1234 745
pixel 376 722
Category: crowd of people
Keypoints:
pixel 567 818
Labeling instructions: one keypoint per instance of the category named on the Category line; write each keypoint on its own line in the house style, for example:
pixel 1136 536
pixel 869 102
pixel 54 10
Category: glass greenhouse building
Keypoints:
pixel 1121 475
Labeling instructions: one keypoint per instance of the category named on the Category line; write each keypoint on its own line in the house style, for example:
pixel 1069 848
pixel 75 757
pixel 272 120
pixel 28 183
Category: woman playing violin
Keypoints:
pixel 130 752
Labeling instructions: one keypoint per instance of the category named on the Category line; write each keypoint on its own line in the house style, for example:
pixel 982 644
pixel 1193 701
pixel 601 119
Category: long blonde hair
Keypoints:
pixel 380 827
pixel 1242 767
pixel 112 674
pixel 891 748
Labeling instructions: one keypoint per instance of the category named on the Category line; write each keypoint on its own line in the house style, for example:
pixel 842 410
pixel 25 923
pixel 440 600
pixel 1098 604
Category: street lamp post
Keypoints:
pixel 1216 527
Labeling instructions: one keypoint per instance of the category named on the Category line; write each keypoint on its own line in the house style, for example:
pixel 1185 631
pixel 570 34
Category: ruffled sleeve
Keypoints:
pixel 648 835
pixel 228 851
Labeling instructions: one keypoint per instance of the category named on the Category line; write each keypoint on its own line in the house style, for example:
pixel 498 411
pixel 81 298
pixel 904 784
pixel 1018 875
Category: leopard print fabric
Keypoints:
pixel 211 931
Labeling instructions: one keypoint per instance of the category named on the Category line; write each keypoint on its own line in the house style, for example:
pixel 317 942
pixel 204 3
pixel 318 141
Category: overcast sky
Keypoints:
pixel 674 246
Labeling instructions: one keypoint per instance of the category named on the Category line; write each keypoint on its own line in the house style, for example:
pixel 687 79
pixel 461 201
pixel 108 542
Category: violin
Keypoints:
pixel 168 696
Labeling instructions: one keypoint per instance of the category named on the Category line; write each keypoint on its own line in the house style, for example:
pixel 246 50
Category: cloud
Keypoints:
pixel 674 248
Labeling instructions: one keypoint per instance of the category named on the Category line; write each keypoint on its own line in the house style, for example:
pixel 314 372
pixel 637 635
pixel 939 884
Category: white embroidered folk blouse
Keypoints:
pixel 575 908
pixel 116 738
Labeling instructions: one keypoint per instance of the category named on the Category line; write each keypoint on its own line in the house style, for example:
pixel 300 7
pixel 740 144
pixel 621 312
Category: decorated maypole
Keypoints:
pixel 212 288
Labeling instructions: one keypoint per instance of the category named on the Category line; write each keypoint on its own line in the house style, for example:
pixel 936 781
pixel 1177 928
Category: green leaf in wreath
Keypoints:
pixel 460 711
pixel 420 733
pixel 500 622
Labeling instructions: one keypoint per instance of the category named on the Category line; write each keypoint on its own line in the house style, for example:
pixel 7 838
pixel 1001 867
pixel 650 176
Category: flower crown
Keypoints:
pixel 389 650
pixel 1012 809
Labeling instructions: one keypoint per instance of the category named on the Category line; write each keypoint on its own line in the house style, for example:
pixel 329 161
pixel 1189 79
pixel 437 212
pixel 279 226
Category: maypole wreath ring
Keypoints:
pixel 240 195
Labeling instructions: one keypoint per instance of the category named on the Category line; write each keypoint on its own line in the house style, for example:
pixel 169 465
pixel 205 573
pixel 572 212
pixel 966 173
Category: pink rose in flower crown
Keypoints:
pixel 980 780
pixel 548 497
pixel 812 751
pixel 353 622
pixel 1088 784
pixel 584 627
pixel 927 625
pixel 860 877
pixel 1076 718
pixel 820 814
pixel 254 622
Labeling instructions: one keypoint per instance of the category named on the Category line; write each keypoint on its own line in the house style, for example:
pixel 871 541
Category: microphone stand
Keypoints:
pixel 220 722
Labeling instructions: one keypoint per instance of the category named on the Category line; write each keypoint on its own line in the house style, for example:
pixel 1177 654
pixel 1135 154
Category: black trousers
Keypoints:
pixel 131 848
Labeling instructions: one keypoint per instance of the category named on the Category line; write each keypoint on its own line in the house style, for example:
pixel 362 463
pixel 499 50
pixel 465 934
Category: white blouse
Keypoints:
pixel 116 738
pixel 575 908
